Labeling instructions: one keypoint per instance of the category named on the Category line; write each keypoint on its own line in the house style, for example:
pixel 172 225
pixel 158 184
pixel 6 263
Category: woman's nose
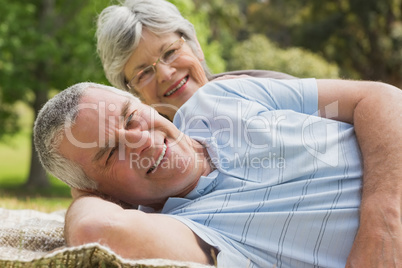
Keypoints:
pixel 164 72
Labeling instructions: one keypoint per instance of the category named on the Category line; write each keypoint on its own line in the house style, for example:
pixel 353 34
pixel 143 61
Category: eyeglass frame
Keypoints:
pixel 153 65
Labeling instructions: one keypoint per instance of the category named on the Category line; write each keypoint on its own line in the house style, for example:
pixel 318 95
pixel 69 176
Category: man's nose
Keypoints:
pixel 164 72
pixel 136 140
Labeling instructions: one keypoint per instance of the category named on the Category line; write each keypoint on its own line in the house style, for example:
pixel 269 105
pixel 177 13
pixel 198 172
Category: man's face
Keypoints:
pixel 134 154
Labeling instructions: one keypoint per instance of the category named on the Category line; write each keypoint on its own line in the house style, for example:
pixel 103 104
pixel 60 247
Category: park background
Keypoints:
pixel 48 45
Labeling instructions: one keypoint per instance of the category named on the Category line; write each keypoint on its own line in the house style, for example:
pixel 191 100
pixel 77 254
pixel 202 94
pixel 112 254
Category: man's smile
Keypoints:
pixel 158 161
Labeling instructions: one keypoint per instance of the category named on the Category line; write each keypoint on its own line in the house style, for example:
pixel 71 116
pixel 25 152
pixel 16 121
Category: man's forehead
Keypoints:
pixel 106 93
pixel 97 97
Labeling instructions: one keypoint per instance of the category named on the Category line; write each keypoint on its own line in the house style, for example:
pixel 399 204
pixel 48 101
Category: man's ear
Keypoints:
pixel 199 52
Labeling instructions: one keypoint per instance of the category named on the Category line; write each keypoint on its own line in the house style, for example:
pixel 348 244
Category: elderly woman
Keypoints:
pixel 149 49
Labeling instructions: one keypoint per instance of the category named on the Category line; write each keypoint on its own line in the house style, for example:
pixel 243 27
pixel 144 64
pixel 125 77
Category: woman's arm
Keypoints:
pixel 375 109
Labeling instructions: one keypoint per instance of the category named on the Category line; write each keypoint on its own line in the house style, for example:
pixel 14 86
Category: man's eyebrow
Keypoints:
pixel 123 114
pixel 100 153
pixel 124 109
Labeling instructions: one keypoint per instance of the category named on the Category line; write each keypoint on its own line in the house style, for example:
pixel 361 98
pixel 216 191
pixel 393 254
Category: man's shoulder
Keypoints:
pixel 257 73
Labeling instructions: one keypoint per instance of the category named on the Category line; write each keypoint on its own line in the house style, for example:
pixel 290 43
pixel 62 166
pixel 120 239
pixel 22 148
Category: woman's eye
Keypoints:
pixel 168 54
pixel 147 71
pixel 139 76
pixel 144 74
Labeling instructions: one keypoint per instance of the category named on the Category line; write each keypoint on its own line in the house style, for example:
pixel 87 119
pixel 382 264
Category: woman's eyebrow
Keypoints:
pixel 140 67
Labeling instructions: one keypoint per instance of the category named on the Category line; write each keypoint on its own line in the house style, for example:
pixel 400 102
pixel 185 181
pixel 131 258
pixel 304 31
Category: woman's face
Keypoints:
pixel 173 83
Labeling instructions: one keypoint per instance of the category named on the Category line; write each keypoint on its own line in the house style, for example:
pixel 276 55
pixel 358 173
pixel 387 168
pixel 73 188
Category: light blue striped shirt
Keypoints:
pixel 286 189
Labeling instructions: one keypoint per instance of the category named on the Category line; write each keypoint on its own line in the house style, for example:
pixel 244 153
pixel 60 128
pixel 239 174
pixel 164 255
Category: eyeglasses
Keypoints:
pixel 169 55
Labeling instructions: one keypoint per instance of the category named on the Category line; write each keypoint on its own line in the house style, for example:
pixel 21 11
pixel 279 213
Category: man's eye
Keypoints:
pixel 130 119
pixel 111 154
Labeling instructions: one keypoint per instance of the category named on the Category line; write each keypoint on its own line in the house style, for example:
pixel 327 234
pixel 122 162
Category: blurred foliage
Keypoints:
pixel 45 45
pixel 229 43
pixel 259 52
pixel 364 37
pixel 200 18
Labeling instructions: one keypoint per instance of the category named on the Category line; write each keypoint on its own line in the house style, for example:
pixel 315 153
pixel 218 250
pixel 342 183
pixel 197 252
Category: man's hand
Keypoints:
pixel 77 193
pixel 378 242
pixel 131 233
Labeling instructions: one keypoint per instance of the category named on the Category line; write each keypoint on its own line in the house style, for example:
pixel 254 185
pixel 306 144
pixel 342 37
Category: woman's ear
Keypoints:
pixel 199 52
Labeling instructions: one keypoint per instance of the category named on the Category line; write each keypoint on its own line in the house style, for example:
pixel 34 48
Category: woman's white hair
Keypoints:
pixel 119 30
pixel 57 116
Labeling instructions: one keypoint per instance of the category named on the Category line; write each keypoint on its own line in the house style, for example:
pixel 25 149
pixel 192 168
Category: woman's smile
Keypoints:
pixel 177 89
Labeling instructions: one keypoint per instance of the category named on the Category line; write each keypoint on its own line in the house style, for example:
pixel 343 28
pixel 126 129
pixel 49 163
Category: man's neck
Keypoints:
pixel 209 165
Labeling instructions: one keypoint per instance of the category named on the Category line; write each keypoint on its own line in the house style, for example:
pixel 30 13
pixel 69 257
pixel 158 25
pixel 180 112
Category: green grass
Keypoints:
pixel 14 196
pixel 15 155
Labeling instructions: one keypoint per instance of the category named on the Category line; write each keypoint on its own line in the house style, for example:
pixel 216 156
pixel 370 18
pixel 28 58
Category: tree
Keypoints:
pixel 199 16
pixel 47 45
pixel 363 37
pixel 258 52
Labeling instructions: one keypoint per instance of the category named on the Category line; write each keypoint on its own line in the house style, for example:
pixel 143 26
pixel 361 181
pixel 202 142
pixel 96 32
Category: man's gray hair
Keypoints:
pixel 57 116
pixel 119 30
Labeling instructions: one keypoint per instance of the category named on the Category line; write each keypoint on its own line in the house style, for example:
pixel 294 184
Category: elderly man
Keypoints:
pixel 248 172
